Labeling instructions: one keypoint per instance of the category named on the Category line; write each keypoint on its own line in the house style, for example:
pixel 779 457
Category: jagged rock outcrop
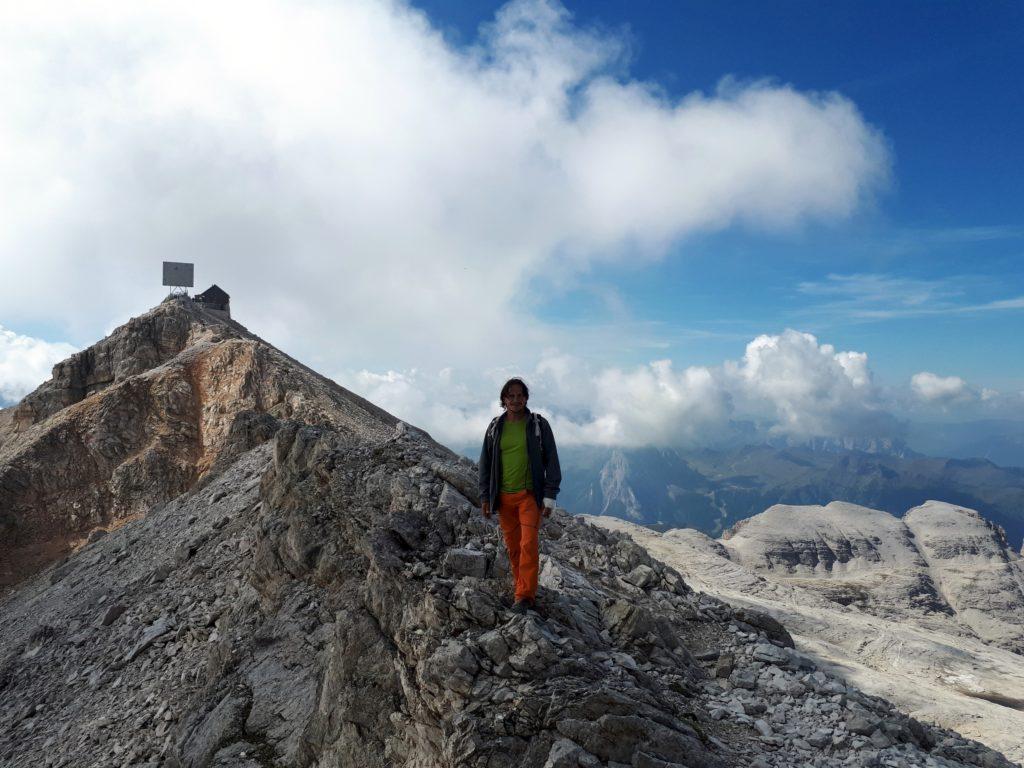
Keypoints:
pixel 141 417
pixel 142 343
pixel 313 604
pixel 325 592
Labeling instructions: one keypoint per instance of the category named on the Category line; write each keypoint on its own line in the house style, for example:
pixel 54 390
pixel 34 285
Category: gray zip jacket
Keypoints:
pixel 540 449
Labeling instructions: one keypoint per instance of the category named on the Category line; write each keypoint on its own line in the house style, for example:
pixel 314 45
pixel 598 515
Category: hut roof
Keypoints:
pixel 213 295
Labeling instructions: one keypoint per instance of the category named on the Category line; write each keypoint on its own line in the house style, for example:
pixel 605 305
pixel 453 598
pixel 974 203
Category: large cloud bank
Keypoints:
pixel 370 194
pixel 787 385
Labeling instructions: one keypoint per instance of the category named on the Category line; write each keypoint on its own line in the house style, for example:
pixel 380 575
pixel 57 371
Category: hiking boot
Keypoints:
pixel 522 606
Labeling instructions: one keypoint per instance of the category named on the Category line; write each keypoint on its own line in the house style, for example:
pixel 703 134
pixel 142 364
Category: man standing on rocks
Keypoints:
pixel 519 477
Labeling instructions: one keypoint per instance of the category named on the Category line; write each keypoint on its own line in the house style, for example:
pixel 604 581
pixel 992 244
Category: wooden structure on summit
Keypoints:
pixel 215 298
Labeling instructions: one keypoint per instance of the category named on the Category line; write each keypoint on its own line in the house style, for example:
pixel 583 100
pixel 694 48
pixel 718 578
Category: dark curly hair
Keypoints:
pixel 508 385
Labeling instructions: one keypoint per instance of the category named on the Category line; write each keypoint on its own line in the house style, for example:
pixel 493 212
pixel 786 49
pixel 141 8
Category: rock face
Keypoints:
pixel 850 554
pixel 141 417
pixel 618 496
pixel 142 343
pixel 927 611
pixel 974 568
pixel 330 595
pixel 942 565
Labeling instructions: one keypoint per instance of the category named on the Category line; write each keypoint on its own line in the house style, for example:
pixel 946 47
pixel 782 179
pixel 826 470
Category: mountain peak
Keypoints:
pixel 142 416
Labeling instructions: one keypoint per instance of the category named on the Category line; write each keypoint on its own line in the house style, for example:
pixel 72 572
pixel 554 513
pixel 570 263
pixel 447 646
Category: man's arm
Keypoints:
pixel 552 469
pixel 484 479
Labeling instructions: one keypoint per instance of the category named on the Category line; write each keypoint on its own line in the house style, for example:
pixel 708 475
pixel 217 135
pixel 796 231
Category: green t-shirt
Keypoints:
pixel 515 462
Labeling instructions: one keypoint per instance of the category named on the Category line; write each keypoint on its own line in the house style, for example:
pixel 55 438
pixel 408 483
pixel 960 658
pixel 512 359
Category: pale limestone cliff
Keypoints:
pixel 974 569
pixel 941 564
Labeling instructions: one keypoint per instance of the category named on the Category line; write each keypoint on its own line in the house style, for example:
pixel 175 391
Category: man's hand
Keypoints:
pixel 486 509
pixel 549 505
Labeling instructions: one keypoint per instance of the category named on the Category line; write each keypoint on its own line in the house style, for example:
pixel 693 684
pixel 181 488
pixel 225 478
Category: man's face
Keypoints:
pixel 515 400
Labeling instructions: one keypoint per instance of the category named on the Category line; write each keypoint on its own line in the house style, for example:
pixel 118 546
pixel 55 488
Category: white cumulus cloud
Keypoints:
pixel 653 404
pixel 452 412
pixel 804 387
pixel 371 195
pixel 25 363
pixel 789 384
pixel 940 389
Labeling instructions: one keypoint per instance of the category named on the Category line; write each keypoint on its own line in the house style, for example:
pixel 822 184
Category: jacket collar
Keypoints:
pixel 501 419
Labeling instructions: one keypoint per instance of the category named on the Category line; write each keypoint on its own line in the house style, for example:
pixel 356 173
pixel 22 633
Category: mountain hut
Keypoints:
pixel 214 298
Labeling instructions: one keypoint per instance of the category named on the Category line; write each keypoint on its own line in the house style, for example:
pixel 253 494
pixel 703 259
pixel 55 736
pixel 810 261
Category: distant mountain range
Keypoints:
pixel 712 490
pixel 998 440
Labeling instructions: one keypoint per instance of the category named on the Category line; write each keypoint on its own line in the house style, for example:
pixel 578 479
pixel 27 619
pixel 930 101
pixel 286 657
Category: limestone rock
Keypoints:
pixel 919 610
pixel 465 562
pixel 975 568
pixel 157 629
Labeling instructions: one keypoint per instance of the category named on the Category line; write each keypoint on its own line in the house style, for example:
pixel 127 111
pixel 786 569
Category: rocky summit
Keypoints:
pixel 239 563
pixel 144 415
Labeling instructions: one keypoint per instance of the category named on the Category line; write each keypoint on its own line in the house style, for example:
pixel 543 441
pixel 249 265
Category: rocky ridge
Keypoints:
pixel 331 596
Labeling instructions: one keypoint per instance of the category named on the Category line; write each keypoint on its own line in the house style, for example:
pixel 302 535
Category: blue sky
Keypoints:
pixel 944 82
pixel 667 216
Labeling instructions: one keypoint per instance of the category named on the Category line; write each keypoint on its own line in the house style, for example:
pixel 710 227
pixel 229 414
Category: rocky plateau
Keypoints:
pixel 926 610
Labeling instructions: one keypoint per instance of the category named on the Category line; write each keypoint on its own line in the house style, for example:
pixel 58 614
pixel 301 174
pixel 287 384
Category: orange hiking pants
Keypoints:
pixel 519 518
